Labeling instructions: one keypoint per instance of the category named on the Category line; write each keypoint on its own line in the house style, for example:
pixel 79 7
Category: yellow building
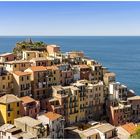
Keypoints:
pixel 19 65
pixel 9 108
pixel 22 83
pixel 69 97
pixel 6 83
pixel 28 55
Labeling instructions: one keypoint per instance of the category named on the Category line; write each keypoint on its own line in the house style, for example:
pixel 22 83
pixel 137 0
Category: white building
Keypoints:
pixel 117 91
pixel 55 123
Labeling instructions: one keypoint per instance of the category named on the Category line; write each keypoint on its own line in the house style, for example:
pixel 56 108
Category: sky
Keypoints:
pixel 70 18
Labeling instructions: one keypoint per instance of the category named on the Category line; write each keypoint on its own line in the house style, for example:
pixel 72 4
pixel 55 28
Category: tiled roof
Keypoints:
pixel 38 68
pixel 130 128
pixel 27 99
pixel 20 73
pixel 9 98
pixel 52 116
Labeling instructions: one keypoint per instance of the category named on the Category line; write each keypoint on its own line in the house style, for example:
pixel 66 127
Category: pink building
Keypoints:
pixel 66 74
pixel 30 107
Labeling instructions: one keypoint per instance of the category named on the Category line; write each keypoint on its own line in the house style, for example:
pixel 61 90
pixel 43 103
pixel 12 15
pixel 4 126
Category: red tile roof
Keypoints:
pixel 130 128
pixel 52 116
pixel 27 99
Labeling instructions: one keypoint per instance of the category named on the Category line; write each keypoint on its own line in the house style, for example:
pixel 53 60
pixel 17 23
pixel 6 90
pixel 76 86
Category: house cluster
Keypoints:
pixel 47 91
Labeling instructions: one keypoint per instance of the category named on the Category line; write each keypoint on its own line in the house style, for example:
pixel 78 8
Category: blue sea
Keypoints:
pixel 121 54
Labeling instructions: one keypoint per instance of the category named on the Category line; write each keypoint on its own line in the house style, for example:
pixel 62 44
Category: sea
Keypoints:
pixel 120 54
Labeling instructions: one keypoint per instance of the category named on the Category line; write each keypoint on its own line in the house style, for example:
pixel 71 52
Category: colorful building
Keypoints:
pixel 22 83
pixel 29 107
pixel 10 106
pixel 39 81
pixel 17 65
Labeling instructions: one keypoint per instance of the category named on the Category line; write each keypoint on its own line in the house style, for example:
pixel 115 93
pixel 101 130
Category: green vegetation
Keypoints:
pixel 136 135
pixel 28 45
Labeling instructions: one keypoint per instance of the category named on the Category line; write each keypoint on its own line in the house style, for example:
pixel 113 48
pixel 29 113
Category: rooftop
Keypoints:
pixel 6 127
pixel 29 121
pixel 20 73
pixel 130 128
pixel 17 62
pixel 27 99
pixel 52 116
pixel 89 132
pixel 5 54
pixel 110 74
pixel 134 98
pixel 105 128
pixel 52 67
pixel 38 68
pixel 9 98
pixel 39 59
pixel 82 66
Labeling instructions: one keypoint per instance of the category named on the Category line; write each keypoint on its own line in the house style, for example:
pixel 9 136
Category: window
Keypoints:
pixel 17 112
pixel 15 65
pixel 3 86
pixel 8 106
pixel 22 78
pixel 17 104
pixel 3 78
pixel 8 114
pixel 27 77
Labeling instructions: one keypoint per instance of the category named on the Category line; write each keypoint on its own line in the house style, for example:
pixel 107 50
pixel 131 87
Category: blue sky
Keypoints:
pixel 70 18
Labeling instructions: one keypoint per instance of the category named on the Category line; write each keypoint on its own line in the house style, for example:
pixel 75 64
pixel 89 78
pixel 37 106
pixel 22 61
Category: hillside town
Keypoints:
pixel 47 93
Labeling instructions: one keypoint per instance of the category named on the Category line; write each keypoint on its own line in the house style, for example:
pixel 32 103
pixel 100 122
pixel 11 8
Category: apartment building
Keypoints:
pixel 6 86
pixel 119 113
pixel 135 104
pixel 66 74
pixel 94 98
pixel 10 106
pixel 84 70
pixel 73 102
pixel 17 65
pixel 22 83
pixel 29 107
pixel 53 75
pixel 55 122
pixel 39 81
pixel 117 91
pixel 96 73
